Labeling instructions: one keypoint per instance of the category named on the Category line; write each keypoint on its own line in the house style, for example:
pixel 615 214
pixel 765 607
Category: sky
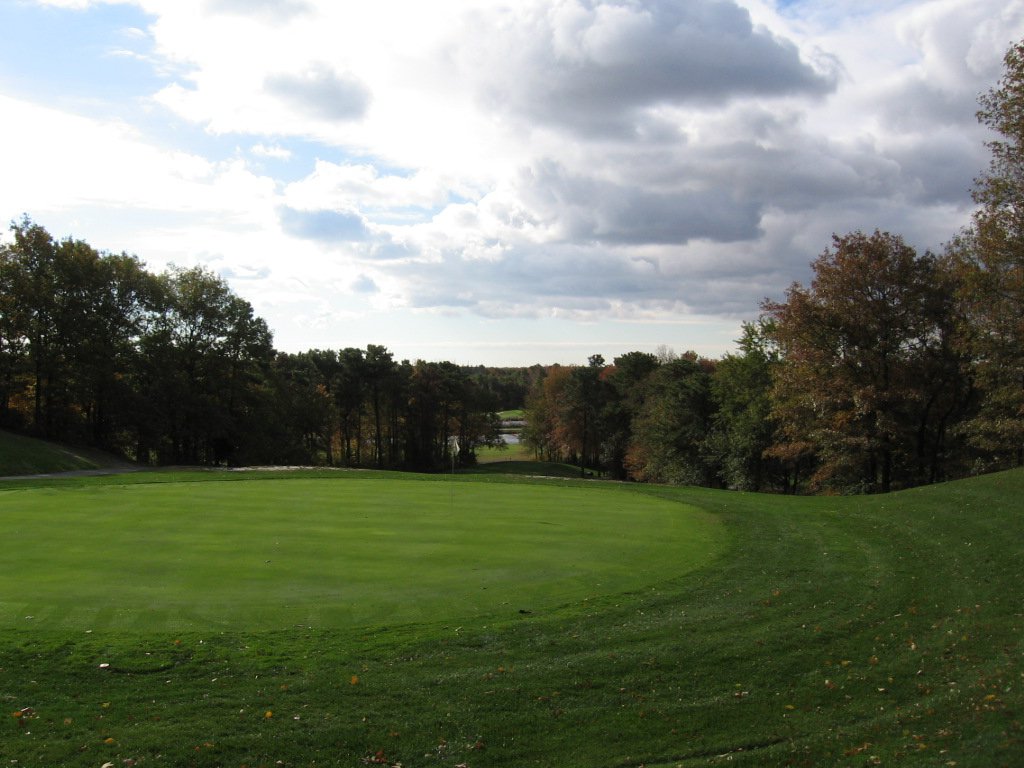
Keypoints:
pixel 534 181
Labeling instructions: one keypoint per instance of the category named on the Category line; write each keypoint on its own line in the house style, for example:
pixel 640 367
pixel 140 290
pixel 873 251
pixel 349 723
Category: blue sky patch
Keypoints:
pixel 76 56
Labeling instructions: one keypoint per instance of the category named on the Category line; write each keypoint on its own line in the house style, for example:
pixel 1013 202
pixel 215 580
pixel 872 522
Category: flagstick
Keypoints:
pixel 454 444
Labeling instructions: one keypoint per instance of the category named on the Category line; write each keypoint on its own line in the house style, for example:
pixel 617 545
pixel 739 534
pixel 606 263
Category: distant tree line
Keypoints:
pixel 893 368
pixel 174 368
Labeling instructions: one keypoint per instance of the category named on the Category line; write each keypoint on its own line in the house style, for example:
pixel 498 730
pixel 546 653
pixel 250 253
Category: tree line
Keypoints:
pixel 174 368
pixel 859 382
pixel 892 368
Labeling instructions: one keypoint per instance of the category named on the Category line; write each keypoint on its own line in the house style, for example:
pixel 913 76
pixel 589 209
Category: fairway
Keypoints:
pixel 327 553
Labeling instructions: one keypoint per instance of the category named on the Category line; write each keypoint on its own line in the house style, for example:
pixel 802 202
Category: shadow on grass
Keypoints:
pixel 21 455
pixel 529 468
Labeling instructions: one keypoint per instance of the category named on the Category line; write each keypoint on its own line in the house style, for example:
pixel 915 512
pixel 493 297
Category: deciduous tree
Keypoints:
pixel 743 427
pixel 858 347
pixel 993 252
pixel 627 381
pixel 670 430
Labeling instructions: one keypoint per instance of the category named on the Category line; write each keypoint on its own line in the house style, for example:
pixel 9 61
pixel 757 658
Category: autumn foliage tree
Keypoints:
pixel 991 254
pixel 627 382
pixel 866 351
pixel 549 433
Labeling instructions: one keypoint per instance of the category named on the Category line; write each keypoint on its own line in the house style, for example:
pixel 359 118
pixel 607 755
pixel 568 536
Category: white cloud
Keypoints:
pixel 552 158
pixel 56 160
pixel 361 184
pixel 273 151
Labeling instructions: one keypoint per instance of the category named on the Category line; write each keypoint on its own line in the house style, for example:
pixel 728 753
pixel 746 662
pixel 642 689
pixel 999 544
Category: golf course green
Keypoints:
pixel 217 619
pixel 347 550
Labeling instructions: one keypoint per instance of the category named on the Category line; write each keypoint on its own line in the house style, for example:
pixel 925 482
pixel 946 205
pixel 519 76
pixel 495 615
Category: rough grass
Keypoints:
pixel 855 631
pixel 21 455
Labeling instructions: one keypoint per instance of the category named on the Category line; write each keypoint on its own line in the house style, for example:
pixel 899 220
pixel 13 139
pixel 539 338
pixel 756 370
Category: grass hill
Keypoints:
pixel 20 455
pixel 693 627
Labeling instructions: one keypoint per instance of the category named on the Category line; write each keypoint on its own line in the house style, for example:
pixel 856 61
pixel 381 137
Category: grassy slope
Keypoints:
pixel 21 455
pixel 855 631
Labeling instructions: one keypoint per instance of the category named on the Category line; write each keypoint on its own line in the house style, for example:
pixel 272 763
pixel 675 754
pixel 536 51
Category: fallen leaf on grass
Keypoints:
pixel 852 751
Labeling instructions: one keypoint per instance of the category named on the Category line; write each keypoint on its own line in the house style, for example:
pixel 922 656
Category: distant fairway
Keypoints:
pixel 343 551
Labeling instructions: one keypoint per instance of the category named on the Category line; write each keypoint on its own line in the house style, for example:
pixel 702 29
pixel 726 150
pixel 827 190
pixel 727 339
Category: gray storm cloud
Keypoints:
pixel 320 92
pixel 593 67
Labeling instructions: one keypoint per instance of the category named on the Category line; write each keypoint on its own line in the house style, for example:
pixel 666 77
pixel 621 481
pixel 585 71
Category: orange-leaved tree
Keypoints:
pixel 868 382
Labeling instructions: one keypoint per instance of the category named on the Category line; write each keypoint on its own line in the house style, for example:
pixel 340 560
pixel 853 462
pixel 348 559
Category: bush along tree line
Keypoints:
pixel 174 368
pixel 892 368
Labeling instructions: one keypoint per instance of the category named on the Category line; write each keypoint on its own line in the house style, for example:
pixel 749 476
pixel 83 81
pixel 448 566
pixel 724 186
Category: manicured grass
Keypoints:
pixel 883 630
pixel 523 467
pixel 21 455
pixel 349 550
